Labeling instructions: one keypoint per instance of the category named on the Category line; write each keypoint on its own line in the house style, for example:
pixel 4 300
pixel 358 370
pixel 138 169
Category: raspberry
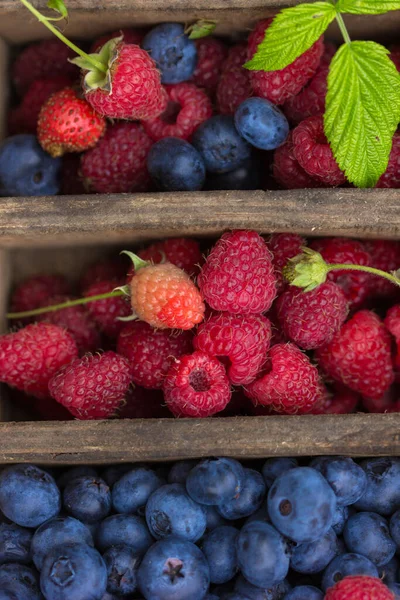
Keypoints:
pixel 391 177
pixel 385 255
pixel 356 285
pixel 278 86
pixel 238 275
pixel 341 401
pixel 34 292
pixel 130 36
pixel 388 402
pixel 392 323
pixel 311 319
pixel 76 320
pixel 181 252
pixel 106 312
pixel 32 355
pixel 118 163
pixel 92 387
pixel 359 587
pixel 234 84
pixel 240 341
pixel 165 297
pixel 188 106
pixel 395 55
pixel 103 270
pixel 71 180
pixel 282 247
pixel 359 356
pixel 290 384
pixel 48 410
pixel 314 154
pixel 197 386
pixel 143 404
pixel 211 54
pixel 150 351
pixel 287 170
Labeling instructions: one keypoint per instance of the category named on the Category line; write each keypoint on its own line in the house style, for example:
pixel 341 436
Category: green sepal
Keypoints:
pixel 138 263
pixel 96 78
pixel 59 7
pixel 125 289
pixel 129 318
pixel 307 270
pixel 200 29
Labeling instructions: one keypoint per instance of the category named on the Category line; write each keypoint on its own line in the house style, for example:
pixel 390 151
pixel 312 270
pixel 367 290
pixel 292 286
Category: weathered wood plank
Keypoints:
pixel 101 442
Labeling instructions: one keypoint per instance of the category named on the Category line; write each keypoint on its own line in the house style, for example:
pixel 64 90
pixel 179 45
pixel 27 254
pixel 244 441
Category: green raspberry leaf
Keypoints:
pixel 59 7
pixel 367 7
pixel 292 32
pixel 362 110
pixel 200 29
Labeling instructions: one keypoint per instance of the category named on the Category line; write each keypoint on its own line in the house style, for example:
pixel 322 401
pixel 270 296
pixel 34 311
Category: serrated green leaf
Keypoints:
pixel 292 32
pixel 200 29
pixel 367 7
pixel 58 6
pixel 362 110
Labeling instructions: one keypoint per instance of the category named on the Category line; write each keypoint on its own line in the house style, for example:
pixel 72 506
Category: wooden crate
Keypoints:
pixel 57 233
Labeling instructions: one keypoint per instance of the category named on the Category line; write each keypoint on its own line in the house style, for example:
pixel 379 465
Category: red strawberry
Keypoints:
pixel 182 252
pixel 287 170
pixel 359 356
pixel 106 312
pixel 282 247
pixel 211 54
pixel 129 35
pixel 143 404
pixel 31 356
pixel 68 124
pixel 234 84
pixel 359 587
pixel 34 292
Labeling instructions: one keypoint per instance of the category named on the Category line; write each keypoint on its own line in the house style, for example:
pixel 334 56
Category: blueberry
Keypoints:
pixel 220 145
pixel 219 548
pixel 28 496
pixel 313 557
pixel 15 543
pixel 263 554
pixel 234 596
pixel 389 572
pixel 171 511
pixel 382 494
pixel 56 532
pixel 211 597
pixel 367 533
pixel 131 492
pixel 213 518
pixel 304 592
pixel 174 53
pixel 87 499
pixel 261 123
pixel 273 467
pixel 26 169
pixel 395 588
pixel 176 166
pixel 341 515
pixel 301 504
pixel 345 565
pixel 113 473
pixel 124 529
pixel 122 564
pixel 174 569
pixel 347 479
pixel 252 592
pixel 108 596
pixel 215 481
pixel 180 470
pixel 73 572
pixel 247 176
pixel 248 500
pixel 261 514
pixel 19 582
pixel 74 473
pixel 395 527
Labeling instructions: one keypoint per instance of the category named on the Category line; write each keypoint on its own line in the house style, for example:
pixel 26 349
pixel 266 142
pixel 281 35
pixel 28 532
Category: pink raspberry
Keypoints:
pixel 341 401
pixel 239 341
pixel 359 356
pixel 287 171
pixel 278 86
pixel 234 84
pixel 391 177
pixel 106 312
pixel 359 587
pixel 290 383
pixel 182 252
pixel 238 275
pixel 92 387
pixel 118 163
pixel 385 255
pixel 103 270
pixel 282 247
pixel 211 54
pixel 71 180
pixel 130 36
pixel 188 106
pixel 314 154
pixel 197 386
pixel 392 323
pixel 151 351
pixel 140 403
pixel 33 292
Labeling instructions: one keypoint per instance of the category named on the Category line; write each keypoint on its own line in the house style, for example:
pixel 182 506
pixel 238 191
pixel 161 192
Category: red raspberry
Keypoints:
pixel 391 177
pixel 287 170
pixel 143 404
pixel 240 341
pixel 290 384
pixel 282 247
pixel 182 252
pixel 359 587
pixel 359 356
pixel 211 55
pixel 106 312
pixel 103 270
pixel 92 387
pixel 71 179
pixel 76 320
pixel 118 163
pixel 130 36
pixel 341 401
pixel 389 402
pixel 136 93
pixel 34 292
pixel 314 154
pixel 151 351
pixel 356 285
pixel 234 84
pixel 165 297
pixel 188 106
pixel 311 319
pixel 392 323
pixel 278 86
pixel 395 55
pixel 238 275
pixel 385 255
pixel 48 58
pixel 239 406
pixel 197 386
pixel 32 355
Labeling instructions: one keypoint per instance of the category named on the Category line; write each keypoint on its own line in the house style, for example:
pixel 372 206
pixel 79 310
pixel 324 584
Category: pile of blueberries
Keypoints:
pixel 198 530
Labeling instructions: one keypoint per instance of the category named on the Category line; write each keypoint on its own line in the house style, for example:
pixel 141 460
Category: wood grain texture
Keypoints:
pixel 102 442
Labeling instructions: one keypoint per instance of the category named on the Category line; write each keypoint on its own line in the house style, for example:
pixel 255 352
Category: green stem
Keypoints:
pixel 343 28
pixel 68 304
pixel 96 63
pixel 364 269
